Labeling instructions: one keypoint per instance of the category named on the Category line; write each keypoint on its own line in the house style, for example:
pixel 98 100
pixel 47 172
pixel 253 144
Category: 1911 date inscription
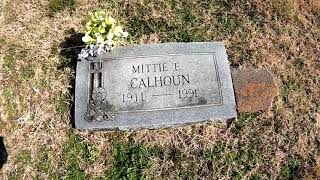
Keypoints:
pixel 164 82
pixel 133 97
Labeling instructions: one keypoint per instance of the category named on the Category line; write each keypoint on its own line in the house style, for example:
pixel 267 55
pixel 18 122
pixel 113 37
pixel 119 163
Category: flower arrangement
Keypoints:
pixel 101 32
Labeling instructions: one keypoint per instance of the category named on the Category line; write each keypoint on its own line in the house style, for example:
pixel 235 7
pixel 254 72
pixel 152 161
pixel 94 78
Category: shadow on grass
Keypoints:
pixel 70 48
pixel 3 153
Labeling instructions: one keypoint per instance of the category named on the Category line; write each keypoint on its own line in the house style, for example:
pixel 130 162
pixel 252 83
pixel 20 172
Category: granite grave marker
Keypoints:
pixel 152 86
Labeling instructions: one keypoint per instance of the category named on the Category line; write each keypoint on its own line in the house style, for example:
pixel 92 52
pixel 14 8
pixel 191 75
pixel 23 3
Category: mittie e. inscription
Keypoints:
pixel 154 85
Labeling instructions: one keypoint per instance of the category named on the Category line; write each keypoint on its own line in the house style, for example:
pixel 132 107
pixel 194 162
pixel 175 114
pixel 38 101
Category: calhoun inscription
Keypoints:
pixel 157 81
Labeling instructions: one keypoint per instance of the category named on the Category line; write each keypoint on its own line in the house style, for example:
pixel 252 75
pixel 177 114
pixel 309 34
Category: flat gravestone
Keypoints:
pixel 152 86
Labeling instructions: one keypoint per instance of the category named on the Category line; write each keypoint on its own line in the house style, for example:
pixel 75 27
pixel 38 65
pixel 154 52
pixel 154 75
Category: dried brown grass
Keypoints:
pixel 288 36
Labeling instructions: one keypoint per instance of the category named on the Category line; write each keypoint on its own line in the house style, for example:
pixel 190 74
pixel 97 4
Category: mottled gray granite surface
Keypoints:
pixel 152 86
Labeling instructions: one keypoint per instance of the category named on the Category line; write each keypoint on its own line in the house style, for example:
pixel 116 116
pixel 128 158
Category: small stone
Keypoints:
pixel 35 90
pixel 254 89
pixel 149 39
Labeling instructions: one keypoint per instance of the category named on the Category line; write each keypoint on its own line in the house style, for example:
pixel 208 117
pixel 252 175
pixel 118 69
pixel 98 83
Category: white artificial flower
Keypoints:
pixel 83 54
pixel 99 39
pixel 125 34
pixel 110 36
pixel 108 48
pixel 110 21
pixel 100 49
pixel 91 52
pixel 118 31
pixel 86 38
pixel 109 42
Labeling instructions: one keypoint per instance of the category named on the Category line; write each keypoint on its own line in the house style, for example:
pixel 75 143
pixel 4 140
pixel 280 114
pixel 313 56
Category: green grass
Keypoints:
pixel 44 162
pixel 244 120
pixel 129 161
pixel 184 25
pixel 289 86
pixel 299 63
pixel 229 24
pixel 78 152
pixel 236 160
pixel 292 167
pixel 9 63
pixel 62 103
pixel 42 82
pixel 13 176
pixel 24 157
pixel 2 42
pixel 1 123
pixel 60 5
pixel 284 9
pixel 215 153
pixel 28 72
pixel 22 160
pixel 11 105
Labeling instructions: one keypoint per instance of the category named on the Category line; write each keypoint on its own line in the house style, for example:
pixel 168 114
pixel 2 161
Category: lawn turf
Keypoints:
pixel 37 78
